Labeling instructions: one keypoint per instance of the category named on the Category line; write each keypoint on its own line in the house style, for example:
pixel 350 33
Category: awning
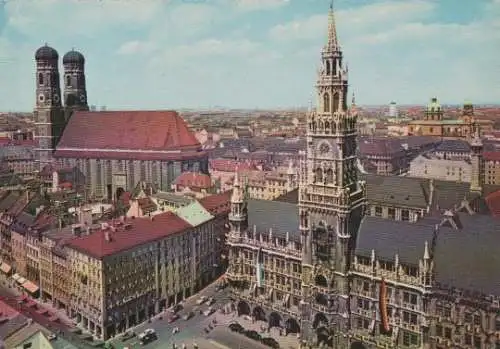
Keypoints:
pixel 30 287
pixel 21 280
pixel 5 268
pixel 16 276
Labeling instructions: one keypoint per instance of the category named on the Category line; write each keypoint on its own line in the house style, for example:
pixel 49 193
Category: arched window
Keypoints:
pixel 40 79
pixel 326 103
pixel 336 101
pixel 319 175
pixel 327 127
pixel 329 176
pixel 68 80
pixel 328 68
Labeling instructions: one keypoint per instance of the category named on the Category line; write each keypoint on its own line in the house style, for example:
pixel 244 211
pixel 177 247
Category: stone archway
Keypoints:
pixel 119 192
pixel 357 345
pixel 324 336
pixel 243 308
pixel 320 320
pixel 321 281
pixel 275 320
pixel 259 314
pixel 292 326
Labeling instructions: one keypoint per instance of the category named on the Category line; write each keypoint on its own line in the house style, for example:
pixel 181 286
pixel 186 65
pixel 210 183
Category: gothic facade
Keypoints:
pixel 405 272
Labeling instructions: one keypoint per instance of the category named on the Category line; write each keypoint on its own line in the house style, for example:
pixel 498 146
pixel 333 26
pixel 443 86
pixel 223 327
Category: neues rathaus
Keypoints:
pixel 329 270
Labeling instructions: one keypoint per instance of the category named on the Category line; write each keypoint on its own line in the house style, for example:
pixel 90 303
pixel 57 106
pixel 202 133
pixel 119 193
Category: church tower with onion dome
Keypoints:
pixel 75 90
pixel 48 113
pixel 331 197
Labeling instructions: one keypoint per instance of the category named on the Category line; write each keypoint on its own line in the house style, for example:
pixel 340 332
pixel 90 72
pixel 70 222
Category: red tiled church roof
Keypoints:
pixel 491 155
pixel 140 231
pixel 128 130
pixel 194 180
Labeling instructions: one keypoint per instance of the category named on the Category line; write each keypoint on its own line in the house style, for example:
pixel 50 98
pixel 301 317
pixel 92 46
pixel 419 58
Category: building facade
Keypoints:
pixel 427 166
pixel 113 150
pixel 394 275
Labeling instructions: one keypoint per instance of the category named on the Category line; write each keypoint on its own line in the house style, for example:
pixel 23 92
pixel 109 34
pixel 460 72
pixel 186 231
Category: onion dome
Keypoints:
pixel 73 57
pixel 46 53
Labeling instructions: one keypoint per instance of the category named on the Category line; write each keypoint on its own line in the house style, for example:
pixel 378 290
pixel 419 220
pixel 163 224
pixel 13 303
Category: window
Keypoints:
pixel 447 333
pixel 378 211
pixel 326 103
pixel 40 79
pixel 405 215
pixel 391 212
pixel 439 330
pixel 68 80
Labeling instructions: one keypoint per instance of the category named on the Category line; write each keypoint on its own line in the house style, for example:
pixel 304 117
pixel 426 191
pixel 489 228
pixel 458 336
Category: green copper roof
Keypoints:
pixel 194 213
pixel 434 105
pixel 452 121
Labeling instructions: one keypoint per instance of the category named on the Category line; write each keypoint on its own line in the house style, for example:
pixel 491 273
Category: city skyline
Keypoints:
pixel 252 53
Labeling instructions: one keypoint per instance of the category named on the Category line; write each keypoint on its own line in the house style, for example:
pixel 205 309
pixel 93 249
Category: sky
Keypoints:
pixel 172 54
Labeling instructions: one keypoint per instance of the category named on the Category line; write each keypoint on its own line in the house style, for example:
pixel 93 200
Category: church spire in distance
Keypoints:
pixel 332 43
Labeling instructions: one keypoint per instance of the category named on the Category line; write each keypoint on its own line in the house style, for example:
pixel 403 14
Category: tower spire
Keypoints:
pixel 332 43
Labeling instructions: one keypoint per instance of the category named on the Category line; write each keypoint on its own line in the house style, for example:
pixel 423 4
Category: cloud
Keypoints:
pixel 74 17
pixel 355 19
pixel 258 5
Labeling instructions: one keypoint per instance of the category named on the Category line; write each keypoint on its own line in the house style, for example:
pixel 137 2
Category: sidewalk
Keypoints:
pixel 286 342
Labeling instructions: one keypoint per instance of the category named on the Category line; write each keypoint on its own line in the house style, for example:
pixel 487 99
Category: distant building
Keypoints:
pixel 428 166
pixel 434 123
pixel 393 110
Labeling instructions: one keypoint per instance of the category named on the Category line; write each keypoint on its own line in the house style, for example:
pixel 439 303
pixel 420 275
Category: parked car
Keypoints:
pixel 236 327
pixel 271 342
pixel 188 316
pixel 253 335
pixel 201 300
pixel 209 311
pixel 128 335
pixel 173 318
pixel 147 336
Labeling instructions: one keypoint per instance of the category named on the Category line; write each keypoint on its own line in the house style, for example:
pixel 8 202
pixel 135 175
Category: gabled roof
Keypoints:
pixel 127 130
pixel 388 238
pixel 280 217
pixel 195 180
pixel 453 146
pixel 194 213
pixel 467 258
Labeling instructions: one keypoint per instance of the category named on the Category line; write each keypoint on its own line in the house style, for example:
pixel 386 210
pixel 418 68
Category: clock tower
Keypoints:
pixel 48 114
pixel 331 198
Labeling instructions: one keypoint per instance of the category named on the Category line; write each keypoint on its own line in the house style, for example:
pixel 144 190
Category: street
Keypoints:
pixel 10 296
pixel 189 331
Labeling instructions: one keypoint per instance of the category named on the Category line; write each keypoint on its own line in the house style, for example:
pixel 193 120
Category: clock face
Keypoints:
pixel 324 148
pixel 41 97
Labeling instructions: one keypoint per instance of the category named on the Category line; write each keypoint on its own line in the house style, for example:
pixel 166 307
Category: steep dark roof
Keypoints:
pixel 281 217
pixel 292 197
pixel 415 192
pixel 468 258
pixel 454 146
pixel 388 238
pixel 395 190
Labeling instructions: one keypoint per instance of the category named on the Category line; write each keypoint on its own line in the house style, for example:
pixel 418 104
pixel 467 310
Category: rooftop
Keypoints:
pixel 280 217
pixel 126 235
pixel 158 131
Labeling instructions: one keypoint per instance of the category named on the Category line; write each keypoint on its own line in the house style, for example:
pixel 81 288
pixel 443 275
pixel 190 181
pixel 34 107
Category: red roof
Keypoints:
pixel 128 130
pixel 6 311
pixel 493 203
pixel 133 155
pixel 194 180
pixel 218 203
pixel 224 165
pixel 491 155
pixel 140 231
